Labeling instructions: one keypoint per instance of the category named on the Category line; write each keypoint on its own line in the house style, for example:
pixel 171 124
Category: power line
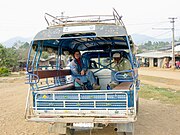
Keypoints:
pixel 172 20
pixel 148 23
pixel 161 34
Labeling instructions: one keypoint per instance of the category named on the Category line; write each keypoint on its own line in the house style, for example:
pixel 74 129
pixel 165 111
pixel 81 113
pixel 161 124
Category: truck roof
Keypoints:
pixel 90 32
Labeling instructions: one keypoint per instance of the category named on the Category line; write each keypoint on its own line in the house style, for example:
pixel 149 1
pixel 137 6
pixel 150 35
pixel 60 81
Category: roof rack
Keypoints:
pixel 66 20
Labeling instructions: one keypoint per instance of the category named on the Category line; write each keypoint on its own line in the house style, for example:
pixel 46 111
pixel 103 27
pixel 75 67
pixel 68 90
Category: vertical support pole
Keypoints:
pixel 173 53
pixel 134 83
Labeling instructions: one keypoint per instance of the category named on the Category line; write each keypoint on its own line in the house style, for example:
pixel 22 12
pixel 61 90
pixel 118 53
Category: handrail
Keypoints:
pixel 123 80
pixel 29 56
pixel 30 77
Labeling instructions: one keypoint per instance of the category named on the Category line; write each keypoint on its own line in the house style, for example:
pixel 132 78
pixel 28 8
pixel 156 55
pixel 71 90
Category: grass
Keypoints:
pixel 162 94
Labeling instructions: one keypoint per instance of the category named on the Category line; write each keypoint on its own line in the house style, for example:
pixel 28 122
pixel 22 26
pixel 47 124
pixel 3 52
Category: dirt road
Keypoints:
pixel 154 117
pixel 160 78
pixel 160 73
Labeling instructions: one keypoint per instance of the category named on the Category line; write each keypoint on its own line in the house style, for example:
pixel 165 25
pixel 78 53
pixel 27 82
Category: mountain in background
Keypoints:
pixel 138 39
pixel 10 42
pixel 141 39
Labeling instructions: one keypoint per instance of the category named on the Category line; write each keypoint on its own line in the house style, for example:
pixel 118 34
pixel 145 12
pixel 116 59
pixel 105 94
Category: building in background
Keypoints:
pixel 161 58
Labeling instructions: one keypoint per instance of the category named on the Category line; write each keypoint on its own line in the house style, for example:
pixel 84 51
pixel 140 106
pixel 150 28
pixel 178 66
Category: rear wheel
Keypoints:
pixel 129 133
pixel 124 133
pixel 70 131
pixel 121 133
pixel 124 128
pixel 137 105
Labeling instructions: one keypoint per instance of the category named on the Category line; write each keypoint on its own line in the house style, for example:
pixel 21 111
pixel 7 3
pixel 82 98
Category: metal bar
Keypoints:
pixel 34 58
pixel 85 120
pixel 29 54
pixel 27 103
pixel 82 100
pixel 35 102
pixel 83 91
pixel 131 59
pixel 41 48
pixel 130 52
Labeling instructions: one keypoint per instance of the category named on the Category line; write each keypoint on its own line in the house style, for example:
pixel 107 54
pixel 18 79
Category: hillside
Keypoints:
pixel 141 39
pixel 138 39
pixel 10 42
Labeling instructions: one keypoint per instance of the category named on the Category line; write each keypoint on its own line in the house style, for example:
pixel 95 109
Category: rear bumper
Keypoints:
pixel 106 120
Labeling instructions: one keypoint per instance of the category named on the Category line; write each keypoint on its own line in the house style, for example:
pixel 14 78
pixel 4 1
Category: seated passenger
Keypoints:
pixel 120 64
pixel 92 64
pixel 80 73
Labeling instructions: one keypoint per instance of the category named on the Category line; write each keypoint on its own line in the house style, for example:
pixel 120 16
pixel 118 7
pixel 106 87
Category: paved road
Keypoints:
pixel 160 73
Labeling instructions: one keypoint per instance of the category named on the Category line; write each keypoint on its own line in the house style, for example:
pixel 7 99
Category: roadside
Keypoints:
pixel 160 82
pixel 161 78
pixel 159 72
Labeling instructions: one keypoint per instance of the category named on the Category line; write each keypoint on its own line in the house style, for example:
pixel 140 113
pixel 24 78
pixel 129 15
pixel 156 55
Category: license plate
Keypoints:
pixel 83 124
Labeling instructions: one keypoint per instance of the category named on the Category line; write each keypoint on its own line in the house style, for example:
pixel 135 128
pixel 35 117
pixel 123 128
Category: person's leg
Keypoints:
pixel 112 76
pixel 80 81
pixel 92 80
pixel 91 77
pixel 113 82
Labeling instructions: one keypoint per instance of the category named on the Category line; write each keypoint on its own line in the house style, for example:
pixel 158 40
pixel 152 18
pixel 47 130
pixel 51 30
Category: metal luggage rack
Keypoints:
pixel 95 19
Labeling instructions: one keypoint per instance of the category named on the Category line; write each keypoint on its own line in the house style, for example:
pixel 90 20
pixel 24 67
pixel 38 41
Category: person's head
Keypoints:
pixel 77 54
pixel 117 57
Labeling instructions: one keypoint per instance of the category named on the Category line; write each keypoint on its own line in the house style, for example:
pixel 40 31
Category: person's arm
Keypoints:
pixel 125 65
pixel 128 65
pixel 84 67
pixel 74 68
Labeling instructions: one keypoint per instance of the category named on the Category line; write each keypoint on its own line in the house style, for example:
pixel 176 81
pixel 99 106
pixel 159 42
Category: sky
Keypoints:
pixel 26 17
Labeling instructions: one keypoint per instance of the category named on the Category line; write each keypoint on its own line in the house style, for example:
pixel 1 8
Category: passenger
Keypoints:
pixel 92 64
pixel 81 74
pixel 120 64
pixel 177 63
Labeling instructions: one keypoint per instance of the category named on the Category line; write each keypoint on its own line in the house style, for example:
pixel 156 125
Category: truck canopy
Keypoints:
pixel 84 34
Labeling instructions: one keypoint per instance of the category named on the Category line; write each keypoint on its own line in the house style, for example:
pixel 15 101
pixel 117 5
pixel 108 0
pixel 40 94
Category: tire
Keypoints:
pixel 121 133
pixel 70 131
pixel 125 133
pixel 129 133
pixel 137 106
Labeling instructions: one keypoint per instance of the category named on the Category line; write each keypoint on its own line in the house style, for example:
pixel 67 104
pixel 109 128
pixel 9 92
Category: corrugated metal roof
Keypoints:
pixel 177 48
pixel 155 54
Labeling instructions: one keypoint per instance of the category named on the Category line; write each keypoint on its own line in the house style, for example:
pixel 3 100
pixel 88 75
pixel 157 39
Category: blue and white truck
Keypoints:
pixel 54 97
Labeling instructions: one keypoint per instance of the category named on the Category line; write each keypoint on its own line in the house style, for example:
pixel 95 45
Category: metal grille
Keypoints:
pixel 81 101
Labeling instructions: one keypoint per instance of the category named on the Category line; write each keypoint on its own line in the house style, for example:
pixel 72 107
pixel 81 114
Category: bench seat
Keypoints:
pixel 61 87
pixel 60 74
pixel 123 86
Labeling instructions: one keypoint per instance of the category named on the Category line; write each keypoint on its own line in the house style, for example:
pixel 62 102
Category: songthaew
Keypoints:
pixel 72 90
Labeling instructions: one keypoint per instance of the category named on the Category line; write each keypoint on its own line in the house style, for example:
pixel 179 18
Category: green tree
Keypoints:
pixel 8 58
pixel 152 46
pixel 2 55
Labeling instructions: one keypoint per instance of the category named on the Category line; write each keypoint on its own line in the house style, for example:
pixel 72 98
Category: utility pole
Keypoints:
pixel 173 53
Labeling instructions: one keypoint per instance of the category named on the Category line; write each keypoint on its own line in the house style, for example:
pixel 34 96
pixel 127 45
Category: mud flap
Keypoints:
pixel 127 128
pixel 57 128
